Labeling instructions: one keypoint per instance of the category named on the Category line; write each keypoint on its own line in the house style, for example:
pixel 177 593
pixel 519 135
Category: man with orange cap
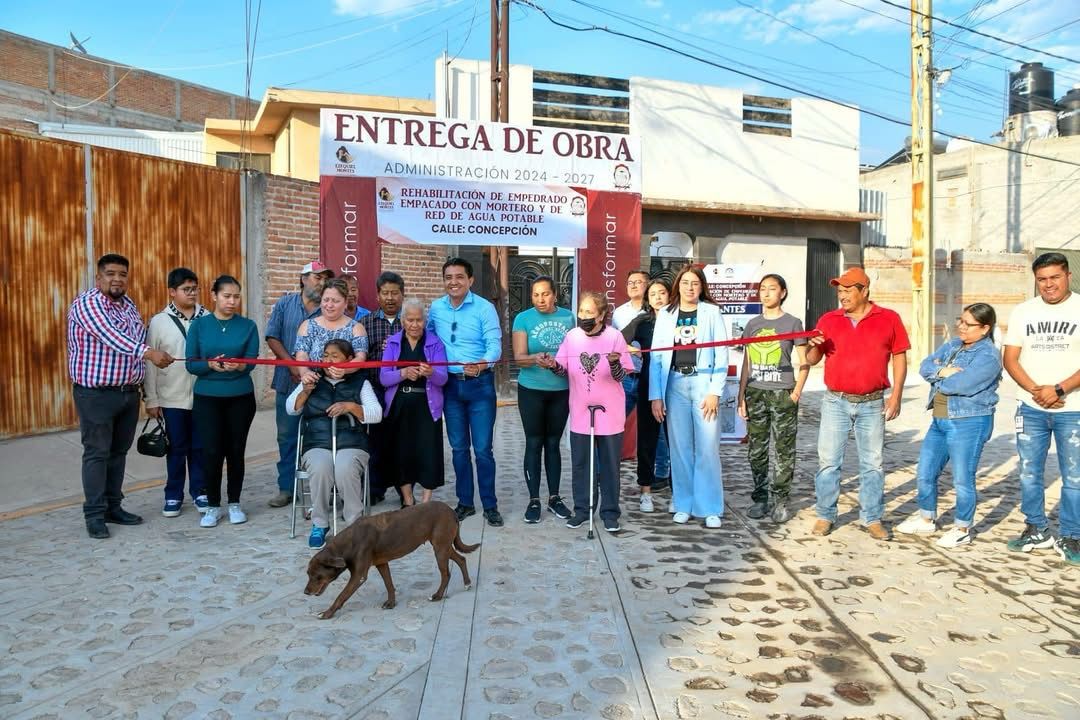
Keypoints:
pixel 859 340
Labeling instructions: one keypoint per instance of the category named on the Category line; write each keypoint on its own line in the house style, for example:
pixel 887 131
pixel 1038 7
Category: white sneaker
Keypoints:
pixel 210 517
pixel 236 515
pixel 712 522
pixel 955 536
pixel 917 525
pixel 645 504
pixel 681 518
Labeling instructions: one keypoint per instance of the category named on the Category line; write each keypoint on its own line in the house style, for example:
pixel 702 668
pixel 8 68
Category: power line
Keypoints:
pixel 648 26
pixel 790 88
pixel 986 35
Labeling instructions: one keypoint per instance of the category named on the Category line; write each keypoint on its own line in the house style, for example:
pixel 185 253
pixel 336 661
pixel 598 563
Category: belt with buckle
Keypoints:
pixel 115 388
pixel 412 389
pixel 463 376
pixel 856 398
pixel 686 369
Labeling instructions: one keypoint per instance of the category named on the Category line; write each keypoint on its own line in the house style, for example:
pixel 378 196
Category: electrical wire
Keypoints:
pixel 784 86
pixel 985 35
pixel 649 27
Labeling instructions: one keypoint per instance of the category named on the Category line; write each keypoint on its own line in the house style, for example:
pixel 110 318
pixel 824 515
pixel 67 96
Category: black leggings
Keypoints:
pixel 223 424
pixel 543 417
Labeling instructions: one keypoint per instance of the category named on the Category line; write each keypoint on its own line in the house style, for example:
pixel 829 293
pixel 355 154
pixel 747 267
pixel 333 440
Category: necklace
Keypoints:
pixel 224 325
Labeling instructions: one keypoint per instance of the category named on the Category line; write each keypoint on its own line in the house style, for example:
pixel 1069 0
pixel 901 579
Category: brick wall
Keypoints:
pixel 113 94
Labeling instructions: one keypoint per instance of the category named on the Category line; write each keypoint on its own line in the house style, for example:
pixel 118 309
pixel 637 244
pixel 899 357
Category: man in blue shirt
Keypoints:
pixel 285 319
pixel 469 328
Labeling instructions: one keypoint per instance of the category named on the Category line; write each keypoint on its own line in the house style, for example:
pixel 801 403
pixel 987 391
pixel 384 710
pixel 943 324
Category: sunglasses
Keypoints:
pixel 453 330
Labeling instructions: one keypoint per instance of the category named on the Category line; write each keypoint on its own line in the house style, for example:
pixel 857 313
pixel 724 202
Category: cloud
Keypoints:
pixel 653 3
pixel 362 8
pixel 820 17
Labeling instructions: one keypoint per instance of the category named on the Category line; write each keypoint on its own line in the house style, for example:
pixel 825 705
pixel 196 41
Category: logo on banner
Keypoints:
pixel 344 160
pixel 577 206
pixel 621 179
pixel 386 199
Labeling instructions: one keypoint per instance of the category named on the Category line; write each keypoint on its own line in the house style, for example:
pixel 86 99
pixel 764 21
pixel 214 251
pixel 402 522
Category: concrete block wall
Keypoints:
pixel 41 82
pixel 961 277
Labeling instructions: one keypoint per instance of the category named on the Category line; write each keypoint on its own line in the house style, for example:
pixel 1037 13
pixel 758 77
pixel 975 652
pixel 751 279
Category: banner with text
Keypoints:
pixel 436 212
pixel 735 289
pixel 348 235
pixel 614 246
pixel 374 144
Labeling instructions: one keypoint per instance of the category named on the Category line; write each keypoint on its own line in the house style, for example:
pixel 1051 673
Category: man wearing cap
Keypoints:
pixel 860 340
pixel 285 319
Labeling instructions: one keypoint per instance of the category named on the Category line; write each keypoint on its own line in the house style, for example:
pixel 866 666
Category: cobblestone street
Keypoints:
pixel 753 620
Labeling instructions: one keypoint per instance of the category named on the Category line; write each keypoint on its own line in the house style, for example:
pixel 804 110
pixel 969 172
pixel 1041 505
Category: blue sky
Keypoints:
pixel 388 47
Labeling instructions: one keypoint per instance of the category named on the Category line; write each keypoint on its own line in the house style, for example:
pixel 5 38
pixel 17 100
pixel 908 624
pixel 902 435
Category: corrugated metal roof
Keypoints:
pixel 186 146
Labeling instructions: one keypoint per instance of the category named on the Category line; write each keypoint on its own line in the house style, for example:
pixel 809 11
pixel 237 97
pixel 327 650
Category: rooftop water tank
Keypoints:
pixel 1031 89
pixel 1068 119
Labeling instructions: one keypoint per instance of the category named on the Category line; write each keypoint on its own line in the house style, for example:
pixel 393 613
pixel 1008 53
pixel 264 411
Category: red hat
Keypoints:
pixel 852 276
pixel 316 267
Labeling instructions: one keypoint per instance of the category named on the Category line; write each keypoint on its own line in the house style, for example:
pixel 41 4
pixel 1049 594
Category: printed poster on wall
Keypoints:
pixel 435 212
pixel 735 289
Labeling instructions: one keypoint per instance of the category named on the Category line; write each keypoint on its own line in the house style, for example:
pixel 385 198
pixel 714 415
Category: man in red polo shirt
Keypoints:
pixel 860 341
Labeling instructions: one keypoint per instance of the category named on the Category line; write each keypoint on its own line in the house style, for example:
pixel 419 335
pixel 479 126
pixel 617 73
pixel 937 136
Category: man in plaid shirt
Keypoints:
pixel 106 350
pixel 380 325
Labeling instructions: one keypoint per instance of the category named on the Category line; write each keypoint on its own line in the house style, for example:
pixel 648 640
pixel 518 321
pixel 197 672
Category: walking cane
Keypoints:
pixel 333 460
pixel 592 461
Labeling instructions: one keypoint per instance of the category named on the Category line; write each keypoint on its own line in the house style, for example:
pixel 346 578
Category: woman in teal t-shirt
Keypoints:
pixel 224 402
pixel 543 396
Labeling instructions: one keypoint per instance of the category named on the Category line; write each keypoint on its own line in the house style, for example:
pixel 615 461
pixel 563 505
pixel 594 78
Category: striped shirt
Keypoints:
pixel 106 341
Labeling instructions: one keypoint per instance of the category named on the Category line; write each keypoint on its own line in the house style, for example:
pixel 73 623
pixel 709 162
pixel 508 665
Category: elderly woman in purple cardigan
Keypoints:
pixel 414 405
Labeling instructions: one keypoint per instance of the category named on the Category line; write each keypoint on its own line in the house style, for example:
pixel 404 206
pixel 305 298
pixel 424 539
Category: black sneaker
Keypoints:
pixel 757 511
pixel 96 529
pixel 577 521
pixel 558 507
pixel 612 525
pixel 780 513
pixel 532 513
pixel 1032 539
pixel 464 511
pixel 494 519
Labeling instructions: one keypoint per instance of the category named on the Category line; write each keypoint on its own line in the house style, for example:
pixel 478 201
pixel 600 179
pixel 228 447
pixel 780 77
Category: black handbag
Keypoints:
pixel 154 443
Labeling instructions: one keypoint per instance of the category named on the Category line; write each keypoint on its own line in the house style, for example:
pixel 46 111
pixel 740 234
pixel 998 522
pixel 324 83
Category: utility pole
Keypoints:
pixel 500 112
pixel 922 181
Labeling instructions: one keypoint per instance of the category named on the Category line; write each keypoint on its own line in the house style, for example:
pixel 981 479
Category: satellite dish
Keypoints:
pixel 76 45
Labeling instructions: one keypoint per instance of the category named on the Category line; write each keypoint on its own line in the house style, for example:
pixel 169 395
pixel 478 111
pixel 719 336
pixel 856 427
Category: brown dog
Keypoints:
pixel 378 539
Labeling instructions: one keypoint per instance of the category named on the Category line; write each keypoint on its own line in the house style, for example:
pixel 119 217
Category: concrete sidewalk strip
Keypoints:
pixel 659 621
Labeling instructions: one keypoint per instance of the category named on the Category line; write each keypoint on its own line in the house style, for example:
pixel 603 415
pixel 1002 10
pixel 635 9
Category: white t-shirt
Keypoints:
pixel 625 313
pixel 1049 340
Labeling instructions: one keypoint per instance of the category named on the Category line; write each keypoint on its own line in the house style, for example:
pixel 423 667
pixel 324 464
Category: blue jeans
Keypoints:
pixel 629 386
pixel 1032 444
pixel 662 468
pixel 696 482
pixel 838 417
pixel 287 427
pixel 185 458
pixel 470 420
pixel 960 441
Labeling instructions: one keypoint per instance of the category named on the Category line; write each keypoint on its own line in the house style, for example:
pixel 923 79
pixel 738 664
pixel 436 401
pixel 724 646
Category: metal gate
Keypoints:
pixel 822 265
pixel 526 268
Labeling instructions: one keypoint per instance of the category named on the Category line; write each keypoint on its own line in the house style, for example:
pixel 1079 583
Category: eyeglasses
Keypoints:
pixel 189 289
pixel 632 283
pixel 453 328
pixel 961 324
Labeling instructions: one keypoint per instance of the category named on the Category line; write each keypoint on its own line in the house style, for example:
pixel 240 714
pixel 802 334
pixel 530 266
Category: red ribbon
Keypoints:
pixel 371 364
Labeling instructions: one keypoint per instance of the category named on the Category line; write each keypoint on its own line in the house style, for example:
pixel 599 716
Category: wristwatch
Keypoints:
pixel 1060 391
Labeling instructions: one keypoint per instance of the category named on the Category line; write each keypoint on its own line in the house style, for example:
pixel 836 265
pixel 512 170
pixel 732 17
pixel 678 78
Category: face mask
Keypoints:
pixel 587 324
